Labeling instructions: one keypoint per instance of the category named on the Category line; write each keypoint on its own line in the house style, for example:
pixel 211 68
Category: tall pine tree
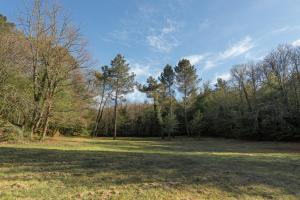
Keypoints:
pixel 167 78
pixel 187 80
pixel 122 83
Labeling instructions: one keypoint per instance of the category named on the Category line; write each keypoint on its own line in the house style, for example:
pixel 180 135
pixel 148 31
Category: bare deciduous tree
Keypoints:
pixel 56 50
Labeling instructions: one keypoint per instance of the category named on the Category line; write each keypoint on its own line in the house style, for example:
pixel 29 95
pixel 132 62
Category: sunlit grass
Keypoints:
pixel 149 168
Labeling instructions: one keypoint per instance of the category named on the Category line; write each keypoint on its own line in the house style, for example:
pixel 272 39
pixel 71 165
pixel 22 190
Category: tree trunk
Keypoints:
pixel 99 115
pixel 185 114
pixel 97 122
pixel 158 118
pixel 285 98
pixel 115 115
pixel 296 95
pixel 36 122
pixel 186 122
pixel 45 127
pixel 98 119
pixel 171 109
pixel 247 97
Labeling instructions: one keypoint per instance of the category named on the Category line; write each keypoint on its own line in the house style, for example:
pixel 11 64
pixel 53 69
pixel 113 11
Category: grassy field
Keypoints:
pixel 131 168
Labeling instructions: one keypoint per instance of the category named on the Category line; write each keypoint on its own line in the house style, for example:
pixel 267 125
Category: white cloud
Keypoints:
pixel 237 49
pixel 255 56
pixel 287 29
pixel 196 58
pixel 296 43
pixel 210 64
pixel 212 60
pixel 280 30
pixel 144 69
pixel 163 40
pixel 136 96
pixel 225 76
pixel 139 69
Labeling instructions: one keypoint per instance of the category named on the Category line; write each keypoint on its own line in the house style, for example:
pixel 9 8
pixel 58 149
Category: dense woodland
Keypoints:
pixel 48 86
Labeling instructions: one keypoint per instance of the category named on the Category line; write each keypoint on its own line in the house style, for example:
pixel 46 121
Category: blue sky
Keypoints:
pixel 213 34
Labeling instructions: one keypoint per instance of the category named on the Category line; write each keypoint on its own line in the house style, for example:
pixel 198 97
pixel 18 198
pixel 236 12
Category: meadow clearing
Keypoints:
pixel 149 168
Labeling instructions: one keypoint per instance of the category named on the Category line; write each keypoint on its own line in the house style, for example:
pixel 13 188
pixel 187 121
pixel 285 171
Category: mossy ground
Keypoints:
pixel 149 168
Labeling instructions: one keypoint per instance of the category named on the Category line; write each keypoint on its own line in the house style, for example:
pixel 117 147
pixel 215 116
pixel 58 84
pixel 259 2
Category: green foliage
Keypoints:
pixel 123 119
pixel 122 80
pixel 186 77
pixel 10 132
pixel 153 90
pixel 187 80
pixel 5 25
pixel 43 89
pixel 70 111
pixel 261 101
pixel 122 83
pixel 196 123
pixel 167 78
pixel 169 124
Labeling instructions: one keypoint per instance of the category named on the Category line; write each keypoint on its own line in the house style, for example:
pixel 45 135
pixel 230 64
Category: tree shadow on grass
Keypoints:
pixel 90 168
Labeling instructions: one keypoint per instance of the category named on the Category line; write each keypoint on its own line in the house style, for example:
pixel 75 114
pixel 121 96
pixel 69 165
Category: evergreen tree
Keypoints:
pixel 187 80
pixel 153 91
pixel 122 83
pixel 167 78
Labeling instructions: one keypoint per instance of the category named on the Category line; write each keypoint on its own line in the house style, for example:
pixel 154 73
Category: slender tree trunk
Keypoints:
pixel 44 133
pixel 247 97
pixel 99 111
pixel 171 104
pixel 171 109
pixel 33 125
pixel 36 121
pixel 159 119
pixel 285 98
pixel 115 115
pixel 97 122
pixel 45 127
pixel 40 112
pixel 35 86
pixel 35 118
pixel 156 122
pixel 185 114
pixel 186 122
pixel 154 106
pixel 100 114
pixel 98 118
pixel 296 95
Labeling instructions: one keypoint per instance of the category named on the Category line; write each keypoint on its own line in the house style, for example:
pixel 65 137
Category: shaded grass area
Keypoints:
pixel 134 168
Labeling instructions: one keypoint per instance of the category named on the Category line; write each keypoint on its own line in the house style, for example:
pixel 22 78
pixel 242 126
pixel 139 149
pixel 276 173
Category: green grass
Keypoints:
pixel 131 168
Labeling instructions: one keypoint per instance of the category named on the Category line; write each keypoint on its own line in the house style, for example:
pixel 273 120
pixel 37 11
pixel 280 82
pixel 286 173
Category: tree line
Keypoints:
pixel 260 101
pixel 46 88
